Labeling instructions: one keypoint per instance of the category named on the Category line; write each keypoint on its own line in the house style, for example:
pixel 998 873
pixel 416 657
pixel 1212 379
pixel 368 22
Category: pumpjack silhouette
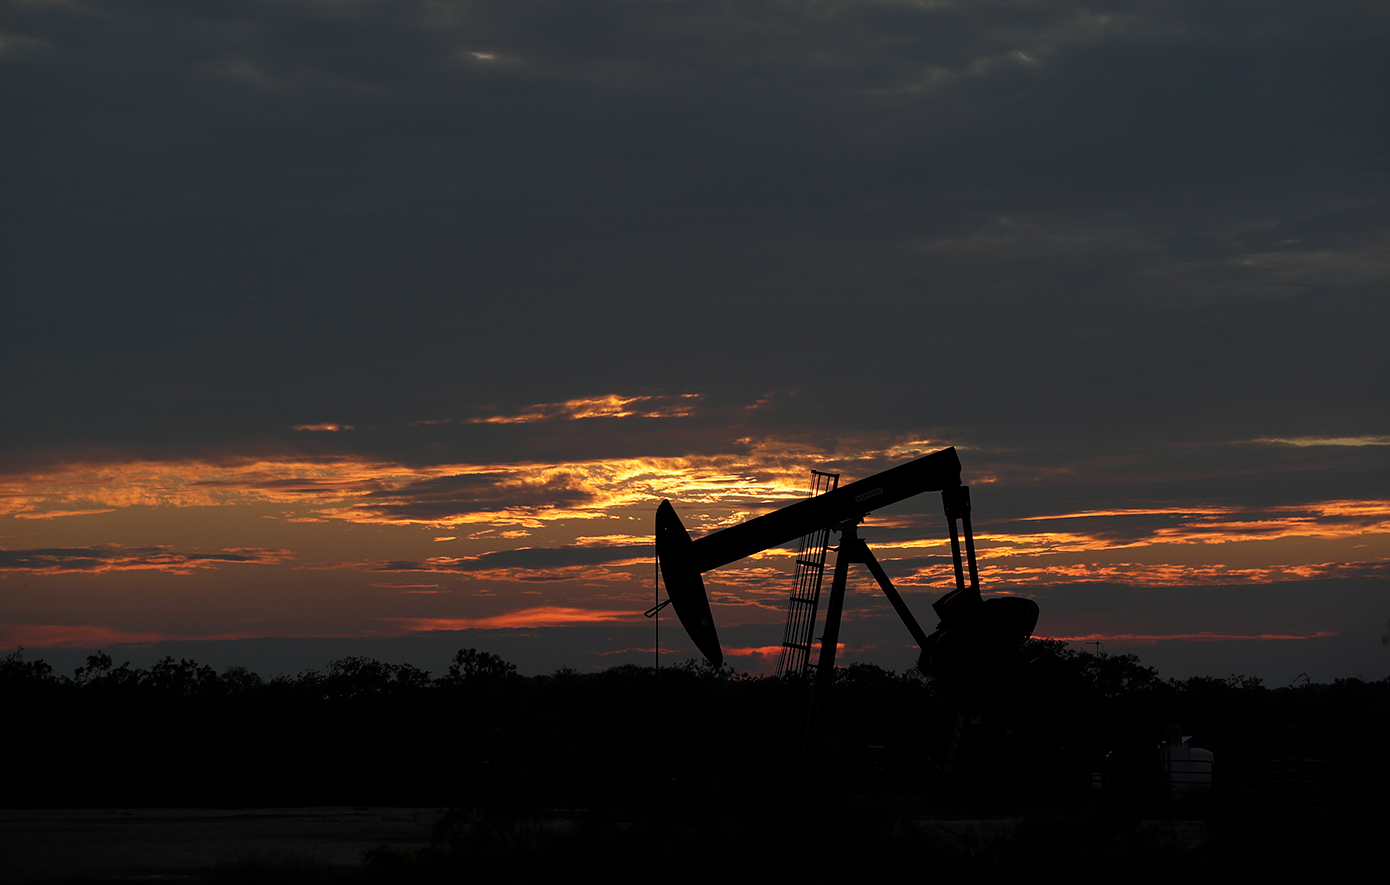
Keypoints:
pixel 974 649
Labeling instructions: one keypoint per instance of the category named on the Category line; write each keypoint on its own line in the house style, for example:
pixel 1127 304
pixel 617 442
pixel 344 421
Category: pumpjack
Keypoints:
pixel 975 644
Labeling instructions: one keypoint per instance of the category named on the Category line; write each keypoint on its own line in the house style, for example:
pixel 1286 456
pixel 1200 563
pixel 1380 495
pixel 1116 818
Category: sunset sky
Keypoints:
pixel 348 327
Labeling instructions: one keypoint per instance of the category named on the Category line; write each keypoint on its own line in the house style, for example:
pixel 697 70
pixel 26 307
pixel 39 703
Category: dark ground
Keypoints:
pixel 180 774
pixel 193 844
pixel 847 839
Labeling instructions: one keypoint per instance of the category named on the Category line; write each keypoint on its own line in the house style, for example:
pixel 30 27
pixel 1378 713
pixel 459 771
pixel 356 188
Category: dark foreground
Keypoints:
pixel 849 839
pixel 686 775
pixel 199 844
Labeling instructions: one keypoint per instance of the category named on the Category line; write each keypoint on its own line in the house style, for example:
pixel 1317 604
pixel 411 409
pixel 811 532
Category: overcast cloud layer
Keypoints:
pixel 454 261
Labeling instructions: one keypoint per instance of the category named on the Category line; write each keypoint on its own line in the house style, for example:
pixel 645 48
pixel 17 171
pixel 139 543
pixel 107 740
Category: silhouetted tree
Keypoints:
pixel 98 665
pixel 14 670
pixel 239 680
pixel 99 674
pixel 1234 682
pixel 473 666
pixel 1114 676
pixel 357 676
pixel 181 679
pixel 411 678
pixel 176 732
pixel 863 675
pixel 701 669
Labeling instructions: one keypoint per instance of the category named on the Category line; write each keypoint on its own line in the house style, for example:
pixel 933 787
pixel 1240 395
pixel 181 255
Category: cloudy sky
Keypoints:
pixel 347 325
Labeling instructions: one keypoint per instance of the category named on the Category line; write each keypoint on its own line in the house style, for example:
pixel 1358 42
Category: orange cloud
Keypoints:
pixel 759 651
pixel 711 491
pixel 375 492
pixel 610 406
pixel 1353 441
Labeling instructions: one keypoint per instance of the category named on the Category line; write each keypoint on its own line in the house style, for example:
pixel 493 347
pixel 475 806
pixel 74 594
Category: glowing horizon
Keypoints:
pixel 567 544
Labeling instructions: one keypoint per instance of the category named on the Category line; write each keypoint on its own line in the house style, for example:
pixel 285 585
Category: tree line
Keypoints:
pixel 363 731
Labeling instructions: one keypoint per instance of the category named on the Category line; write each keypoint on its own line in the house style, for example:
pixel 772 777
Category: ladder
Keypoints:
pixel 805 597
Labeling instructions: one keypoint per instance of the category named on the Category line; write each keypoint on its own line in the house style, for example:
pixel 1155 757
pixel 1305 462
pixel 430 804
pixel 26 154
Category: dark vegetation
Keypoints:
pixel 637 769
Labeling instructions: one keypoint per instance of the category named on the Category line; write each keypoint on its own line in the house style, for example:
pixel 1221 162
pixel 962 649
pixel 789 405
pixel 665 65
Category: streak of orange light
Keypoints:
pixel 542 616
pixel 1209 636
pixel 1135 511
pixel 1164 574
pixel 95 636
pixel 761 651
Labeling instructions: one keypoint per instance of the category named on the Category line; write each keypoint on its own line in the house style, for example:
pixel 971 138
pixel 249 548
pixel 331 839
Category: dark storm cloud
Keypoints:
pixel 1292 607
pixel 1021 222
pixel 528 563
pixel 1140 473
pixel 1244 479
pixel 486 493
pixel 112 558
pixel 468 437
